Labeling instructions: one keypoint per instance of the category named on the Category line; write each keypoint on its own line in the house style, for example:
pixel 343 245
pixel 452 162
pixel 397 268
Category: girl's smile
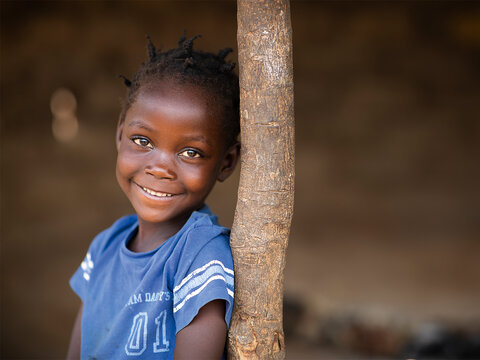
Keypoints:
pixel 154 193
pixel 171 151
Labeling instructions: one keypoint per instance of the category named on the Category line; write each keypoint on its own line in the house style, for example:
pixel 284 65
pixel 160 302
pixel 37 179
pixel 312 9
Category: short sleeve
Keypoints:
pixel 80 280
pixel 209 276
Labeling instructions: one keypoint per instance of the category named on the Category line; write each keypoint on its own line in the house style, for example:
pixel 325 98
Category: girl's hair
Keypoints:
pixel 185 65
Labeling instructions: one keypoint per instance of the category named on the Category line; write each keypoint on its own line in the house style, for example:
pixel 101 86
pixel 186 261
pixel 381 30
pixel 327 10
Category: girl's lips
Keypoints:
pixel 154 193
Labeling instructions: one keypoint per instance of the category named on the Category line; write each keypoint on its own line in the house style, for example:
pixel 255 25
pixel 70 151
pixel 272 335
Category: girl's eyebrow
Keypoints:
pixel 140 124
pixel 198 138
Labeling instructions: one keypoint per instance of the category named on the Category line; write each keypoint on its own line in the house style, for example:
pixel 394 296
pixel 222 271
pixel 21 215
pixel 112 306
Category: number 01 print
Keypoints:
pixel 137 340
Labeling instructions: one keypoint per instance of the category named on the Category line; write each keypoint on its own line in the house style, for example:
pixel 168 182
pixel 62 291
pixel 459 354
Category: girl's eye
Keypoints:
pixel 143 142
pixel 190 154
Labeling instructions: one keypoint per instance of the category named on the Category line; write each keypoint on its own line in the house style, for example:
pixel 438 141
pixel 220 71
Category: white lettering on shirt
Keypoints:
pixel 149 297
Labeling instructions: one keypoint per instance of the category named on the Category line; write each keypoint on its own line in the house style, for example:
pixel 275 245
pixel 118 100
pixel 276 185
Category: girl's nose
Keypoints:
pixel 161 168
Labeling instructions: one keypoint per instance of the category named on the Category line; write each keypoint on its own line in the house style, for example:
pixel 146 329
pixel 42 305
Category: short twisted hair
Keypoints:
pixel 186 65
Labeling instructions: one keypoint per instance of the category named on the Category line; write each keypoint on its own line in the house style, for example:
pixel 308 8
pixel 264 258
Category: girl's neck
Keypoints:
pixel 151 235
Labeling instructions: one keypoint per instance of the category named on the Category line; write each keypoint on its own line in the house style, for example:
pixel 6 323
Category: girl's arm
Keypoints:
pixel 76 338
pixel 205 336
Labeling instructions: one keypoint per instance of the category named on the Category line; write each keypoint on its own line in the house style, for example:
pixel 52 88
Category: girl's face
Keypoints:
pixel 171 151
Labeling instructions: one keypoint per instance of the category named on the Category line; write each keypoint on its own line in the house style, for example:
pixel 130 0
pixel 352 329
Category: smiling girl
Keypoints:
pixel 159 284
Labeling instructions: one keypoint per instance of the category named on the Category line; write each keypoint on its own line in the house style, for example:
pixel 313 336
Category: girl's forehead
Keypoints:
pixel 173 93
pixel 180 104
pixel 174 88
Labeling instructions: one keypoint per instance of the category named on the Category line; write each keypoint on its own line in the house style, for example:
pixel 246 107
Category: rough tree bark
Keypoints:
pixel 265 197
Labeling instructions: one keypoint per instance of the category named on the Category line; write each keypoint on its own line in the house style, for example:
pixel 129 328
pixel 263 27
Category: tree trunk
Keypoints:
pixel 265 197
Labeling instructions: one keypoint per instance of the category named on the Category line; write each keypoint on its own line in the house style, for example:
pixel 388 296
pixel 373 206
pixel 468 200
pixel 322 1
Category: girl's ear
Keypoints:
pixel 118 136
pixel 229 162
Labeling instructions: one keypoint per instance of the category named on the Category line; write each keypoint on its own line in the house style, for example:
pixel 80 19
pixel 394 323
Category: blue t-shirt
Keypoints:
pixel 135 303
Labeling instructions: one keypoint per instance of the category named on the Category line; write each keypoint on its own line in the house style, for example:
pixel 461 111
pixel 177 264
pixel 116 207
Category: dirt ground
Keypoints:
pixel 386 228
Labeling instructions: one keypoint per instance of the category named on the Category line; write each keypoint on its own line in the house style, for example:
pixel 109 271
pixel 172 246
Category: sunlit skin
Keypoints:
pixel 171 151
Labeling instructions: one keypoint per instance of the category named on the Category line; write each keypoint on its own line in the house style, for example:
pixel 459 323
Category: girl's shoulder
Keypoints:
pixel 123 223
pixel 114 234
pixel 205 228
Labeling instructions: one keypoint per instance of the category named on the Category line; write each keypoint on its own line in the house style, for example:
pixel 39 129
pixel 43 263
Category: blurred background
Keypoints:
pixel 384 253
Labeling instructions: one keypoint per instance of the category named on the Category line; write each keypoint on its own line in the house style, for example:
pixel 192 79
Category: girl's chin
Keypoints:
pixel 160 217
pixel 154 218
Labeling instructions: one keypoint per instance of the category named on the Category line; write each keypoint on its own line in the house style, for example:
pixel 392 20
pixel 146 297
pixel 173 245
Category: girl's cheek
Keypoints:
pixel 202 180
pixel 125 162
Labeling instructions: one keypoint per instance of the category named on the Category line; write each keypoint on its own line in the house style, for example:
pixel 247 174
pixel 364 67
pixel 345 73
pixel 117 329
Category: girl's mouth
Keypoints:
pixel 155 193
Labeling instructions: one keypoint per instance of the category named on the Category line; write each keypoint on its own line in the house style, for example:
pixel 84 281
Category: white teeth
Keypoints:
pixel 154 193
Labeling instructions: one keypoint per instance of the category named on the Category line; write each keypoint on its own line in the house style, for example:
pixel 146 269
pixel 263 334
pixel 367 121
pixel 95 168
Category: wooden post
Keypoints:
pixel 265 197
